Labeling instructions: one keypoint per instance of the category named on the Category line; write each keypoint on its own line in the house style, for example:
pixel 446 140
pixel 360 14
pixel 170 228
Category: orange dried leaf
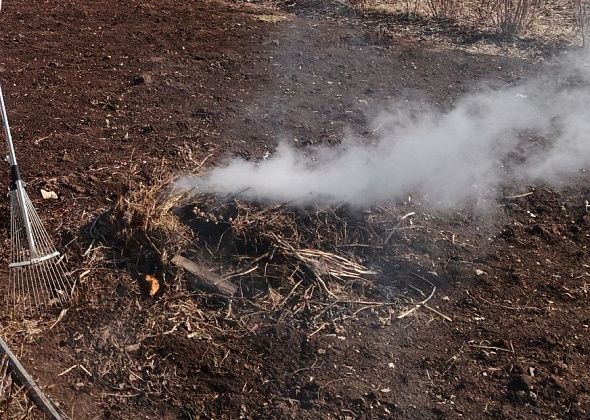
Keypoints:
pixel 152 283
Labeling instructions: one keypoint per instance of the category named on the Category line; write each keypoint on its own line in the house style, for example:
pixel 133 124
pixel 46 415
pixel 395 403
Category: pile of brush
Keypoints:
pixel 312 270
pixel 325 254
pixel 278 244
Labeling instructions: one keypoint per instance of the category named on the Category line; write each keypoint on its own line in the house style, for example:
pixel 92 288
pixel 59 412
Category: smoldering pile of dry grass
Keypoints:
pixel 269 251
pixel 264 249
pixel 305 267
pixel 282 245
pixel 308 269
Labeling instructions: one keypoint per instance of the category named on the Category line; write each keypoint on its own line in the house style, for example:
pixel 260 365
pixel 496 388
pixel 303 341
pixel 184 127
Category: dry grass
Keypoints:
pixel 447 9
pixel 18 333
pixel 14 402
pixel 145 220
pixel 292 244
pixel 507 18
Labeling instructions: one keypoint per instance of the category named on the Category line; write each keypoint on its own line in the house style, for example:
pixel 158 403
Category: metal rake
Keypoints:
pixel 37 274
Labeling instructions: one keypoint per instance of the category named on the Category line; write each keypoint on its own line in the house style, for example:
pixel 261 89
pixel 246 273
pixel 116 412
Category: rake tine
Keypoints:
pixel 37 277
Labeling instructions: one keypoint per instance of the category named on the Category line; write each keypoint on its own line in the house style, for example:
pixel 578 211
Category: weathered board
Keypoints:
pixel 204 278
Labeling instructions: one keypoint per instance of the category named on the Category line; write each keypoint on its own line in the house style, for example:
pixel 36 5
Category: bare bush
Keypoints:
pixel 511 17
pixel 411 7
pixel 581 13
pixel 361 4
pixel 448 9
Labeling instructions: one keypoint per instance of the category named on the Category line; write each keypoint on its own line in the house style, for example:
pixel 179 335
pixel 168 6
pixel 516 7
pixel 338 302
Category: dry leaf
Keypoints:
pixel 153 284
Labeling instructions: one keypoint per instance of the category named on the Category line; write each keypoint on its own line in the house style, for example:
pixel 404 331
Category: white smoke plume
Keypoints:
pixel 538 130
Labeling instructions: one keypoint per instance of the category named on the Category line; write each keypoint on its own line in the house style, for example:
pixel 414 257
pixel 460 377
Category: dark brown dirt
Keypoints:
pixel 99 93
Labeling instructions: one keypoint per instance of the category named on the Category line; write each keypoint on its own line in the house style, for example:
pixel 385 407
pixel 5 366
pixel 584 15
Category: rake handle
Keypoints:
pixel 16 180
pixel 6 125
pixel 27 381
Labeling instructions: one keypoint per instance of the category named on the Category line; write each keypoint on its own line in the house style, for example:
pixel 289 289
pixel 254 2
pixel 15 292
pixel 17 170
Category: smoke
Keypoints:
pixel 536 131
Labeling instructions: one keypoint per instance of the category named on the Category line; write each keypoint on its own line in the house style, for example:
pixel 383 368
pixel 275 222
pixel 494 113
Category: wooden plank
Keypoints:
pixel 27 381
pixel 204 278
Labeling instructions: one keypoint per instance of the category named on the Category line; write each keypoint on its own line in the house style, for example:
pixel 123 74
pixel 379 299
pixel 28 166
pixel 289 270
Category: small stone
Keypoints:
pixel 141 79
pixel 48 195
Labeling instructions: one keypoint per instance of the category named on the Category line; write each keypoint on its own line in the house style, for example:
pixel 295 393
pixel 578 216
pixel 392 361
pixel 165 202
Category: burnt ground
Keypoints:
pixel 100 93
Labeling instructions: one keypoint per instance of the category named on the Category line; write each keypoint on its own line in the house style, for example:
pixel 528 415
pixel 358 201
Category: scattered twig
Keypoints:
pixel 512 308
pixel 454 359
pixel 67 370
pixel 107 394
pixel 59 318
pixel 511 197
pixel 321 327
pixel 418 305
pixel 205 278
pixel 396 227
pixel 492 348
pixel 437 312
pixel 306 368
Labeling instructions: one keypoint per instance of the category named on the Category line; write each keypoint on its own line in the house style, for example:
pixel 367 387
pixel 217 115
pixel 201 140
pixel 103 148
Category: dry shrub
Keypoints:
pixel 412 7
pixel 447 9
pixel 510 17
pixel 581 14
pixel 442 9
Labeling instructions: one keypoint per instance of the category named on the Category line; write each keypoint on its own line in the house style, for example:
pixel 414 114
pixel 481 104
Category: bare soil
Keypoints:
pixel 100 93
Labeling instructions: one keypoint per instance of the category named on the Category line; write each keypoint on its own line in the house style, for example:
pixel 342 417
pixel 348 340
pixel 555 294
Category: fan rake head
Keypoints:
pixel 37 273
